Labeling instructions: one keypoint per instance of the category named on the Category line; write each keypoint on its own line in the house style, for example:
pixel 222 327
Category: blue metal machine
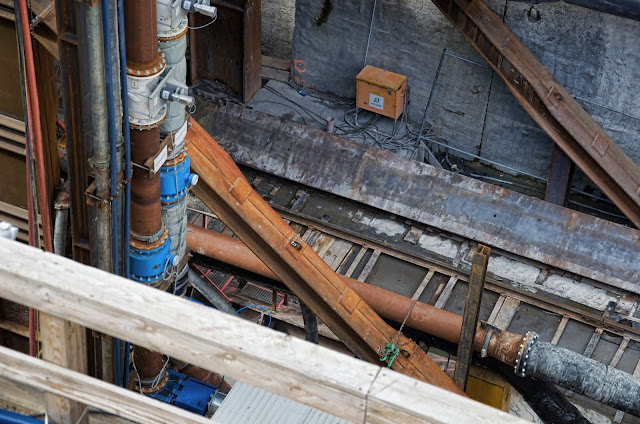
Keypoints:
pixel 176 179
pixel 186 393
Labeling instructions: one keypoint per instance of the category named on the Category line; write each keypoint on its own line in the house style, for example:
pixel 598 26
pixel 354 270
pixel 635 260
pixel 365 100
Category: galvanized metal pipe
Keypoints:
pixel 99 134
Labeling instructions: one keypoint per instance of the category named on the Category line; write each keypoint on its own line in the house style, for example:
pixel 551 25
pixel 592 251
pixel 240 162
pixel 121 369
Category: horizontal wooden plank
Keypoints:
pixel 274 62
pixel 274 74
pixel 270 360
pixel 12 123
pixel 15 328
pixel 91 391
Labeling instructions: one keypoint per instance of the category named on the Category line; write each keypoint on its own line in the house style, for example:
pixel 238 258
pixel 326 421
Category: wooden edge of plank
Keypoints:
pixel 91 391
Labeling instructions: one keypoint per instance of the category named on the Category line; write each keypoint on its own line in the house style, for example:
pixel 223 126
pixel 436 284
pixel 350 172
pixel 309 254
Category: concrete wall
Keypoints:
pixel 594 55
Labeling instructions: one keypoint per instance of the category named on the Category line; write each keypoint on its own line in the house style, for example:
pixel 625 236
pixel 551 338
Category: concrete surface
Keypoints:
pixel 593 54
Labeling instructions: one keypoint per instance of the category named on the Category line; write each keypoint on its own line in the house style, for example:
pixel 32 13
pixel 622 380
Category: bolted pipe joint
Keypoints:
pixel 150 259
pixel 585 376
pixel 175 179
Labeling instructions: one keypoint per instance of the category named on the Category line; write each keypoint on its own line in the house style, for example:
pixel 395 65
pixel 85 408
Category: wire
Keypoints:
pixel 373 14
pixel 205 25
pixel 255 306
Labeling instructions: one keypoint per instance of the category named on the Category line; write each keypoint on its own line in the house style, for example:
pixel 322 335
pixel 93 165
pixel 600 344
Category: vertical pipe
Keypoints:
pixel 31 190
pixel 106 32
pixel 100 133
pixel 127 165
pixel 33 108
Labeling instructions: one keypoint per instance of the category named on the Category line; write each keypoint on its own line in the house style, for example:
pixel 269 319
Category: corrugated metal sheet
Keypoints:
pixel 246 404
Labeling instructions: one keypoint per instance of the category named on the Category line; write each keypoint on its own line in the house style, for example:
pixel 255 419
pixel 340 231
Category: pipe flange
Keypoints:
pixel 148 69
pixel 148 124
pixel 165 39
pixel 151 242
pixel 522 358
pixel 178 159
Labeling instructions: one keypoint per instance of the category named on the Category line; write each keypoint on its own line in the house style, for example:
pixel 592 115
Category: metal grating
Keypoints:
pixel 262 294
pixel 246 404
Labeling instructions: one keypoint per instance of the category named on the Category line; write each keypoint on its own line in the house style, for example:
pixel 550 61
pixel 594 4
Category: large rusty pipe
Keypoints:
pixel 141 29
pixel 392 306
pixel 145 187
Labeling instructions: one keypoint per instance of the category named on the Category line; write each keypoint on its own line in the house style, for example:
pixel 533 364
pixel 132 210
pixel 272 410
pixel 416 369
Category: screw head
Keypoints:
pixel 155 69
pixel 146 72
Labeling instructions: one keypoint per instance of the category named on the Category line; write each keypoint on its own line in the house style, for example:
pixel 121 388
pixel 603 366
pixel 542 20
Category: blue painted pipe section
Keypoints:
pixel 127 165
pixel 9 417
pixel 148 266
pixel 106 33
pixel 175 180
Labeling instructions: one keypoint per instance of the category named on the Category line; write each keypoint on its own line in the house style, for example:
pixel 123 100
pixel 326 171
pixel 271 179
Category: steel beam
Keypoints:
pixel 225 191
pixel 471 314
pixel 559 177
pixel 549 103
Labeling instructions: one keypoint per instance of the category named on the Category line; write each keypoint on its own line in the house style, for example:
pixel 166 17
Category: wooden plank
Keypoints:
pixel 15 328
pixel 507 312
pixel 496 309
pixel 83 389
pixel 63 343
pixel 274 74
pixel 356 262
pixel 304 372
pixel 274 62
pixel 423 285
pixel 392 399
pixel 619 352
pixel 12 123
pixel 446 293
pixel 560 330
pixel 369 266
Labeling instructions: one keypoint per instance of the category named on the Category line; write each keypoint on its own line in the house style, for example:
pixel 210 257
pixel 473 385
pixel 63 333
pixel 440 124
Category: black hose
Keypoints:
pixel 544 398
pixel 585 376
pixel 310 324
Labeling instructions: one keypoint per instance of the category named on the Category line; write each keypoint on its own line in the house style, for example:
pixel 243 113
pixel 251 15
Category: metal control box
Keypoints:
pixel 381 91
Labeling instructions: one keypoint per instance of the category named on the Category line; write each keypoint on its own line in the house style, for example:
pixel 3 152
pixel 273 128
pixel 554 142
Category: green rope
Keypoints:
pixel 388 353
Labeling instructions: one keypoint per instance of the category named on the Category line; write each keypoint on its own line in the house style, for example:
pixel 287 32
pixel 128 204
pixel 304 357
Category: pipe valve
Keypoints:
pixel 177 93
pixel 200 6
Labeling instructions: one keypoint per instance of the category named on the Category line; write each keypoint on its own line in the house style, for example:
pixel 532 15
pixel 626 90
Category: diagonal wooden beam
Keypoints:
pixel 549 103
pixel 229 195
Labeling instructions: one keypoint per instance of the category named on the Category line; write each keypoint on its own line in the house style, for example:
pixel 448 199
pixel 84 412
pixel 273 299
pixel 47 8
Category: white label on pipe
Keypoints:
pixel 160 159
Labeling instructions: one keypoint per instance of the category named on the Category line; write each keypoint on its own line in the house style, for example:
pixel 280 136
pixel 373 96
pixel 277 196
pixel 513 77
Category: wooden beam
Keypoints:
pixel 64 343
pixel 83 389
pixel 304 372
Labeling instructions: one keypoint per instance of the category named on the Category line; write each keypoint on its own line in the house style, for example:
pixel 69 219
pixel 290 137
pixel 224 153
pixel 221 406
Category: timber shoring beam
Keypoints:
pixel 225 191
pixel 549 103
pixel 301 371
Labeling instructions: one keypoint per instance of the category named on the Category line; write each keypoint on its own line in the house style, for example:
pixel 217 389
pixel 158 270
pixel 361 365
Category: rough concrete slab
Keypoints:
pixel 501 218
pixel 593 54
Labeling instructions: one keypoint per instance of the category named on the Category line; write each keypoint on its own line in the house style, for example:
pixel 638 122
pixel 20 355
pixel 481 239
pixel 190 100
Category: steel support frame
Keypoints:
pixel 549 103
pixel 479 265
pixel 229 195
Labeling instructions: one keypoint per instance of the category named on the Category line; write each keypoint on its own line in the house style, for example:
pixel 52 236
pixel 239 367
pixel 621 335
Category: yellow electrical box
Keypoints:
pixel 381 91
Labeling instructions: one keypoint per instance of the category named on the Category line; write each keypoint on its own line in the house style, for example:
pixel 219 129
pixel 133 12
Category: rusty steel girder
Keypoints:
pixel 549 103
pixel 225 191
